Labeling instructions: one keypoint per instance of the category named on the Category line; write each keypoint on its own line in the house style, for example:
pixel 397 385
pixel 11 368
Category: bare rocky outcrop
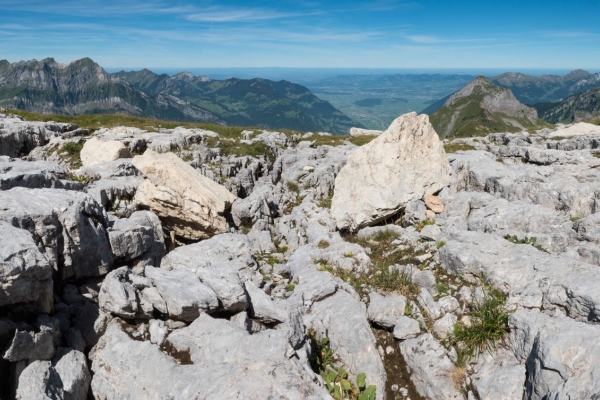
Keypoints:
pixel 189 204
pixel 405 163
pixel 96 151
pixel 87 278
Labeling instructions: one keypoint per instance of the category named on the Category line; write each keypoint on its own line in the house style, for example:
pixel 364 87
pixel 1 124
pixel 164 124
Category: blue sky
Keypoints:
pixel 304 33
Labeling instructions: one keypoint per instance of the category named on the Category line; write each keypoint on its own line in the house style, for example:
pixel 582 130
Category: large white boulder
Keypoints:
pixel 188 203
pixel 405 163
pixel 96 151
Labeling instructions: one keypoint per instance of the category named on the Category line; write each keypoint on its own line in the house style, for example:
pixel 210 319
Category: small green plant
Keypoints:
pixel 524 160
pixel 441 244
pixel 423 224
pixel 442 289
pixel 323 244
pixel 573 219
pixel 264 276
pixel 348 254
pixel 489 323
pixel 290 287
pixel 596 154
pixel 282 249
pixel 526 240
pixel 336 379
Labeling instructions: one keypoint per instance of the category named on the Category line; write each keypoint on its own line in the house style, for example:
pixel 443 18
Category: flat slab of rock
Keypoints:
pixel 188 203
pixel 578 129
pixel 406 328
pixel 405 163
pixel 430 367
pixel 34 175
pixel 185 296
pixel 385 310
pixel 242 365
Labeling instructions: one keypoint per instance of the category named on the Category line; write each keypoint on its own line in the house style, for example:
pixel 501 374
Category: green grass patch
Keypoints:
pixel 454 147
pixel 488 325
pixel 73 149
pixel 383 254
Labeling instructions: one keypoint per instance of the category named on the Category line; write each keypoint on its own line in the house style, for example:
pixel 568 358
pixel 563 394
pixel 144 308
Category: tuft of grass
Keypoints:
pixel 442 289
pixel 85 179
pixel 454 147
pixel 293 187
pixel 325 202
pixel 489 324
pixel 458 376
pixel 323 244
pixel 232 146
pixel 73 149
pixel 441 244
pixel 383 254
pixel 423 224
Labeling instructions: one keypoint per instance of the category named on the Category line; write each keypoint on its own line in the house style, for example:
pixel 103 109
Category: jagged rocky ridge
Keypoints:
pixel 99 298
pixel 576 108
pixel 83 87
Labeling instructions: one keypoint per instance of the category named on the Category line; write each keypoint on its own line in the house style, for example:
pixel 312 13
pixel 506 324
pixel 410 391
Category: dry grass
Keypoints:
pixel 458 376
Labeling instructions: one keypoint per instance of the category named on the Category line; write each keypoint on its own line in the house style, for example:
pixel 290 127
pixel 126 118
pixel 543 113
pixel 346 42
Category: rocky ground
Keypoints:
pixel 149 265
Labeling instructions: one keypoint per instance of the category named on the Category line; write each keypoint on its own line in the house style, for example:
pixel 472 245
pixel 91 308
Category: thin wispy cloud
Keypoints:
pixel 238 15
pixel 569 34
pixel 378 33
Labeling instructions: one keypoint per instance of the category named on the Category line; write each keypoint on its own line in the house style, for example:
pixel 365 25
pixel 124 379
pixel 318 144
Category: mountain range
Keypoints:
pixel 575 108
pixel 83 87
pixel 530 89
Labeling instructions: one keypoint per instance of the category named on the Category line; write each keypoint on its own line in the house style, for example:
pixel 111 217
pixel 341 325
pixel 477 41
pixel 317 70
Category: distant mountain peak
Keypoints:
pixel 479 108
pixel 577 74
pixel 184 75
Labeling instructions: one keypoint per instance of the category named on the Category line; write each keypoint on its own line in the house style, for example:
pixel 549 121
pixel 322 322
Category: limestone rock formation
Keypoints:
pixel 187 202
pixel 96 151
pixel 25 273
pixel 405 163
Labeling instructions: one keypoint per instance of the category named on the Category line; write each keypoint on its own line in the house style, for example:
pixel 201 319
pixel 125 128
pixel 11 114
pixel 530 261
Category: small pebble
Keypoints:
pixel 395 388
